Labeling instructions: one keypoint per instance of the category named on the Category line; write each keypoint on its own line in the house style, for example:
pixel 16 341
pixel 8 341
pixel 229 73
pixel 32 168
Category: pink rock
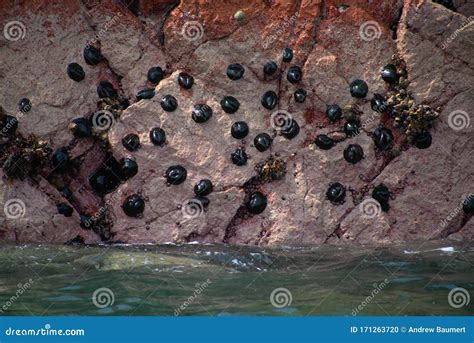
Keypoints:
pixel 333 45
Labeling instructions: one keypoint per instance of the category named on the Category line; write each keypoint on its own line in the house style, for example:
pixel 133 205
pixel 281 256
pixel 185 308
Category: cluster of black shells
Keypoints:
pixel 111 173
pixel 9 123
pixel 176 174
pixel 382 137
pixel 256 202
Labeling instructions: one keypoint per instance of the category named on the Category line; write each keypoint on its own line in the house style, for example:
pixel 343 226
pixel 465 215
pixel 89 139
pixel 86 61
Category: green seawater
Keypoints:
pixel 219 280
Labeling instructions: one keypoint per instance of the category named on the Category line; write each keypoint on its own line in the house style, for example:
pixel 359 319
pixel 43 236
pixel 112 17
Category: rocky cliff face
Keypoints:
pixel 64 178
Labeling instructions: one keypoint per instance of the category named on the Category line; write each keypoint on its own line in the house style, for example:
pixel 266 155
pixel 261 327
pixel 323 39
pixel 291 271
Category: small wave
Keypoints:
pixel 443 249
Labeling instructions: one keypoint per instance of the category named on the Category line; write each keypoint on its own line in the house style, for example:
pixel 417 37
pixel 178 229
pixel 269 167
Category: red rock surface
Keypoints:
pixel 427 185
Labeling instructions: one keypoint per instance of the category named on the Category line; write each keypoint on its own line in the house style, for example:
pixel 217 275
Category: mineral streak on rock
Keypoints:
pixel 401 117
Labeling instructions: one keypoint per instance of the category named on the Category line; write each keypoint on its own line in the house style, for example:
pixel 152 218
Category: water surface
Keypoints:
pixel 223 280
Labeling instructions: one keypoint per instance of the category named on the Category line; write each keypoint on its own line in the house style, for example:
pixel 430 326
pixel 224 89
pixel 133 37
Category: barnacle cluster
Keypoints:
pixel 113 105
pixel 272 169
pixel 22 157
pixel 410 118
pixel 19 156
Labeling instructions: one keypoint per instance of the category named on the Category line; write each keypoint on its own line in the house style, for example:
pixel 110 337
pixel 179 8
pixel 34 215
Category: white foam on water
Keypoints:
pixel 410 252
pixel 447 249
pixel 443 249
